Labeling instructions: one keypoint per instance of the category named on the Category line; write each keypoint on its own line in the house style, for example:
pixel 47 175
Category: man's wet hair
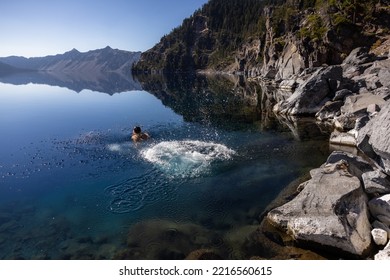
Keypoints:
pixel 137 129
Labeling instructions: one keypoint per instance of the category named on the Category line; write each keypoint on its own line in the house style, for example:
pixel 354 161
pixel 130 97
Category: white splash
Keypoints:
pixel 186 158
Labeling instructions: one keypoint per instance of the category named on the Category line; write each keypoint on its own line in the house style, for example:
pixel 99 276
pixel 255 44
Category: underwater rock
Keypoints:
pixel 164 239
pixel 267 242
pixel 106 251
pixel 203 254
pixel 76 249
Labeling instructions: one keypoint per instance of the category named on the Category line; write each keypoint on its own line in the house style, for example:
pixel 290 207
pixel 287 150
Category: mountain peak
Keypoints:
pixel 72 52
pixel 107 50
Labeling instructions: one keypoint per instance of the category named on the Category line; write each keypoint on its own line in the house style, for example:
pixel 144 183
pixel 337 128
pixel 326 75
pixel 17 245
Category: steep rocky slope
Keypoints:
pixel 275 39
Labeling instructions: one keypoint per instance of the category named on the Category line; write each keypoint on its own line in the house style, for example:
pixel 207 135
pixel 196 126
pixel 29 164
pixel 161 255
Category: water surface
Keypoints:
pixel 73 185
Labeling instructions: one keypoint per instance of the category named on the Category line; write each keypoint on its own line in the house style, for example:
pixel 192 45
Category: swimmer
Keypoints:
pixel 138 135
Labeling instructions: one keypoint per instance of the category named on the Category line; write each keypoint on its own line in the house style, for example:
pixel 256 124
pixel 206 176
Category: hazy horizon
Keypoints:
pixel 41 28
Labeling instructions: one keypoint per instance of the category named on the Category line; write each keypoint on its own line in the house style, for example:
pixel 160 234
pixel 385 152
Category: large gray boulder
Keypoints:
pixel 331 210
pixel 358 104
pixel 356 165
pixel 360 61
pixel 329 111
pixel 378 75
pixel 312 94
pixel 359 56
pixel 376 182
pixel 373 138
pixel 357 107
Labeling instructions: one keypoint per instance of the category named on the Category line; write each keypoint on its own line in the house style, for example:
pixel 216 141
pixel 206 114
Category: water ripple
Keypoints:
pixel 134 193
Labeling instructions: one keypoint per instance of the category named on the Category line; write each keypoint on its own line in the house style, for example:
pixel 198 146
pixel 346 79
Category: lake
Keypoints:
pixel 74 186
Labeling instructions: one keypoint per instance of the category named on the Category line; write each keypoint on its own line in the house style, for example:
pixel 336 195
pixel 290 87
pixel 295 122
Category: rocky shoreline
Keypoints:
pixel 345 207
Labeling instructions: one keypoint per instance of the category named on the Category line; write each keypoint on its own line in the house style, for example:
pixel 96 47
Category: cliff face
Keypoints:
pixel 208 40
pixel 275 39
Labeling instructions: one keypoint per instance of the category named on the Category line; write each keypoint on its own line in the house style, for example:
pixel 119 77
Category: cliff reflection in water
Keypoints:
pixel 227 101
pixel 215 100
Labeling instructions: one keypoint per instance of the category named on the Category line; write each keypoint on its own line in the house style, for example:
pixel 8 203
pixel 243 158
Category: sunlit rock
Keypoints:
pixel 342 138
pixel 384 254
pixel 330 211
pixel 311 95
pixel 379 236
pixel 376 182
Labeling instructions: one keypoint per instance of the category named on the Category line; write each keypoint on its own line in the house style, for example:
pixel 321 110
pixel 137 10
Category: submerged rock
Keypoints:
pixel 330 211
pixel 203 254
pixel 164 239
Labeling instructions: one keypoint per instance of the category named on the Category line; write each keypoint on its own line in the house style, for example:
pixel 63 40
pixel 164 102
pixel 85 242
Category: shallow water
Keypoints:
pixel 73 185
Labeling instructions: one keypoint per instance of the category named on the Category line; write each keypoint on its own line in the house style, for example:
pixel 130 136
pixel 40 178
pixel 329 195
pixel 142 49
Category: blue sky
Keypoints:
pixel 45 27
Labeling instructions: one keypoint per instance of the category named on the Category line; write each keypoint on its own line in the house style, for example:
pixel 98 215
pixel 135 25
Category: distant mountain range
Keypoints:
pixel 105 70
pixel 101 60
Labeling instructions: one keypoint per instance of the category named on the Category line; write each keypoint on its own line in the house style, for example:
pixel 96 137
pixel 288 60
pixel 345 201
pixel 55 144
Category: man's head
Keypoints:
pixel 137 129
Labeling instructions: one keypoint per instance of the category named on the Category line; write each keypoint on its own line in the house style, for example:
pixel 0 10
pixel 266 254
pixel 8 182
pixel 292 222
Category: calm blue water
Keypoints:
pixel 73 185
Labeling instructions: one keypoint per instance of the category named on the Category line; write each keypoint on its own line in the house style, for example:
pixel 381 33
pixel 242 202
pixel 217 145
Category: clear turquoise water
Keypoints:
pixel 73 185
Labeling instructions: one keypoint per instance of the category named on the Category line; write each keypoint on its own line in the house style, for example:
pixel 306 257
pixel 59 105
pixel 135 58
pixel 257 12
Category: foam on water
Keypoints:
pixel 121 148
pixel 186 158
